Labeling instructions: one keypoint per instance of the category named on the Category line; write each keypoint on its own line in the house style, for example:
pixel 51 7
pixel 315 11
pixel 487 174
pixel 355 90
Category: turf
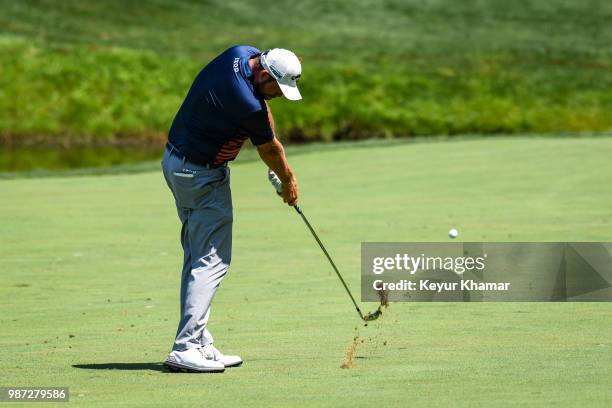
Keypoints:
pixel 90 282
pixel 85 71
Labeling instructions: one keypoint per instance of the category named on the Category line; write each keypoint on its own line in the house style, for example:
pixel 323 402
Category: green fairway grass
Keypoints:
pixel 90 271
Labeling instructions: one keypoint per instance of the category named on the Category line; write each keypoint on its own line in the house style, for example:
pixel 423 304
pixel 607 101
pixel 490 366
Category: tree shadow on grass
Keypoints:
pixel 124 366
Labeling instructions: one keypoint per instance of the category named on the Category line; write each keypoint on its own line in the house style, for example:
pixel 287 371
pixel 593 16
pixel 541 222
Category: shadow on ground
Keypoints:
pixel 124 366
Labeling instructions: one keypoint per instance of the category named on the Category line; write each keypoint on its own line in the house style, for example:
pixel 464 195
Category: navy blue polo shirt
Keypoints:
pixel 221 110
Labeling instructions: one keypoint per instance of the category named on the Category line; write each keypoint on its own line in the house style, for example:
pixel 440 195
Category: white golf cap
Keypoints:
pixel 285 67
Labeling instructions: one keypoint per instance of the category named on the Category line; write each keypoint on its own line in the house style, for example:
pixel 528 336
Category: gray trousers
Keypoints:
pixel 204 205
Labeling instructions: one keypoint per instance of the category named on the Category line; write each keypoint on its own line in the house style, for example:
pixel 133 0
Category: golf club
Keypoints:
pixel 277 184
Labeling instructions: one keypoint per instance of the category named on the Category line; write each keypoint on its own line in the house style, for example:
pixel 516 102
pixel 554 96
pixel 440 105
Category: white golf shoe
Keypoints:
pixel 193 359
pixel 212 352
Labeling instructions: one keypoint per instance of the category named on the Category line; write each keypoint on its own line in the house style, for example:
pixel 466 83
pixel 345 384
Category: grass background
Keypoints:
pixel 95 72
pixel 89 282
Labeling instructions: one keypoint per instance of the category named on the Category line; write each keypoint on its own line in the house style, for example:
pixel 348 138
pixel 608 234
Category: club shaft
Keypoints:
pixel 316 237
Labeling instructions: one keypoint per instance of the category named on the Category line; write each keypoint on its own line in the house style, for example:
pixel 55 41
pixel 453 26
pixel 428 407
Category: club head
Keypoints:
pixel 372 315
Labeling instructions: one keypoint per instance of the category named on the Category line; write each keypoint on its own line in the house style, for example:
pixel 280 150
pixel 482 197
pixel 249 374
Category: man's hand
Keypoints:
pixel 290 192
pixel 273 154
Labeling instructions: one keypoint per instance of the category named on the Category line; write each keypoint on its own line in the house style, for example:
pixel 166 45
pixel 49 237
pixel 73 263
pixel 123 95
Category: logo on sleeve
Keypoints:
pixel 236 62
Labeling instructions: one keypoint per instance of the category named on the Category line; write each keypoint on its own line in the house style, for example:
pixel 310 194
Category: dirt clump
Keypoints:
pixel 350 353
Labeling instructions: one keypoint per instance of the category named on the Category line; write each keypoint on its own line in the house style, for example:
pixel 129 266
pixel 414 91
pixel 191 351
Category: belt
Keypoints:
pixel 177 153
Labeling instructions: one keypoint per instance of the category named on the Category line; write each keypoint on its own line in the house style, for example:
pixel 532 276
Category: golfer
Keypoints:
pixel 225 105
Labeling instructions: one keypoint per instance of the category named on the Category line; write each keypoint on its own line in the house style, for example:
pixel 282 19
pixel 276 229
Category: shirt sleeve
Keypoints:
pixel 258 127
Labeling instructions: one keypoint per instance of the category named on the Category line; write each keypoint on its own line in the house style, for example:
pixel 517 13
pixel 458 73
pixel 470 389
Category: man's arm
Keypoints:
pixel 273 154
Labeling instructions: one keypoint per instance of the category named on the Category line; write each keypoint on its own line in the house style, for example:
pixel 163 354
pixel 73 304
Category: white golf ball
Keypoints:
pixel 453 233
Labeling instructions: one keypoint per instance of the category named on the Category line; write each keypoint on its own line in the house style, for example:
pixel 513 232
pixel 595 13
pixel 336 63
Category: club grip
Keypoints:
pixel 275 181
